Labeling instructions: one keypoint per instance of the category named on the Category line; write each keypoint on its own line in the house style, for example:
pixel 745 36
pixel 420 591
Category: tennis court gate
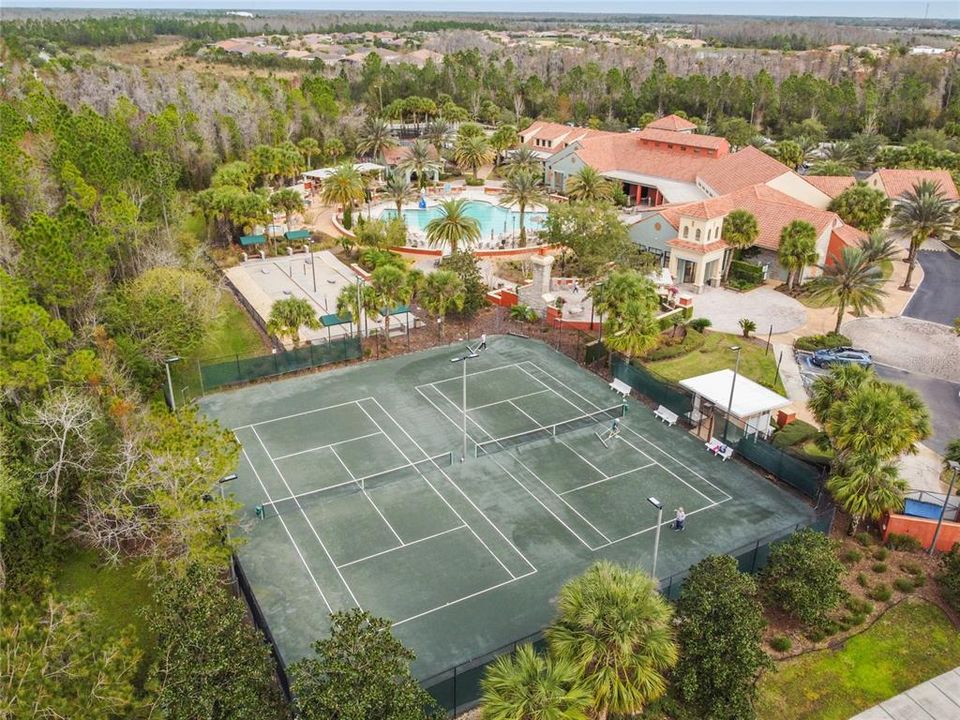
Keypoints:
pixel 458 688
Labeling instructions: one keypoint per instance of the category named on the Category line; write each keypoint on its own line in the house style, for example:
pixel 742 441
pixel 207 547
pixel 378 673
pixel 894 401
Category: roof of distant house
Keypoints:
pixel 709 142
pixel 560 134
pixel 897 182
pixel 748 166
pixel 398 153
pixel 671 122
pixel 831 185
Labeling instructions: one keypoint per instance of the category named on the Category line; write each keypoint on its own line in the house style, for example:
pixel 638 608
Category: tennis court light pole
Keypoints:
pixel 656 541
pixel 463 359
pixel 733 384
pixel 955 466
pixel 166 364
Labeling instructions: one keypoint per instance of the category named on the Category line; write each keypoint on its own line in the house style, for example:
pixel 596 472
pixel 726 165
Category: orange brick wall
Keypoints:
pixel 923 530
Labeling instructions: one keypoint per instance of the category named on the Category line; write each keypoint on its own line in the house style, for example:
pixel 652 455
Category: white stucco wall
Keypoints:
pixel 796 187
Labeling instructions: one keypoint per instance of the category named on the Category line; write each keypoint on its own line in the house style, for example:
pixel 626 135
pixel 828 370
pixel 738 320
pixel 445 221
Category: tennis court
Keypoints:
pixel 355 495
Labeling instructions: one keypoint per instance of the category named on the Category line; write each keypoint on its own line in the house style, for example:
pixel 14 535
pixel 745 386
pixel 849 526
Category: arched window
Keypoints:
pixel 697 236
pixel 686 231
pixel 709 231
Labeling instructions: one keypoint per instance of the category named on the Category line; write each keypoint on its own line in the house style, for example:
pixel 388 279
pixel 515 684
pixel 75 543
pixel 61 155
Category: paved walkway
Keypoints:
pixel 764 305
pixel 937 699
pixel 937 299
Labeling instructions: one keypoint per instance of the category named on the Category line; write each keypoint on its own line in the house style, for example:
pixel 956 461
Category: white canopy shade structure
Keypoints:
pixel 752 403
pixel 324 173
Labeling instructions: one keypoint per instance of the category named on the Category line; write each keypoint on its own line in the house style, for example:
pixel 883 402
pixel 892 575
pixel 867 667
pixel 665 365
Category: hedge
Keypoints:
pixel 817 342
pixel 693 341
pixel 746 271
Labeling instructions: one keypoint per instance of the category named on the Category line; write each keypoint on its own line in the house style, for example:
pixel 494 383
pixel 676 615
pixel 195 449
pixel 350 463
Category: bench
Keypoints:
pixel 666 415
pixel 619 386
pixel 721 450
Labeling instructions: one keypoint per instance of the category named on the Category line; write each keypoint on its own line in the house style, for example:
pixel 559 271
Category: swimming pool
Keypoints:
pixel 492 218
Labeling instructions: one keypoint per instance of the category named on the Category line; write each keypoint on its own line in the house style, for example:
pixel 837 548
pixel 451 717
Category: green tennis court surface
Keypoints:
pixel 355 495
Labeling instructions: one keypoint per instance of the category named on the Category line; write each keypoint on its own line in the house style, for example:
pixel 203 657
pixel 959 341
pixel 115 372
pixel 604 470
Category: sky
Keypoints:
pixel 813 8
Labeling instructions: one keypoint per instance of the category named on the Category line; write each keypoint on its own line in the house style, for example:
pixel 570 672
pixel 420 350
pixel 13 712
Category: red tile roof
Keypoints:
pixel 897 182
pixel 772 208
pixel 831 185
pixel 398 153
pixel 698 247
pixel 561 135
pixel 671 122
pixel 850 236
pixel 741 169
pixel 709 142
pixel 623 151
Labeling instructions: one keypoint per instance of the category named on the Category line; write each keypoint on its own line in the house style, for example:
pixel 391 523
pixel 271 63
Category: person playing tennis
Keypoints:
pixel 679 520
pixel 610 434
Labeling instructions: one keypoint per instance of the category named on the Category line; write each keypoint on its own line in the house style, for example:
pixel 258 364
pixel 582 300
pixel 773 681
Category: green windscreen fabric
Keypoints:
pixel 792 470
pixel 661 391
pixel 297 235
pixel 239 370
pixel 333 319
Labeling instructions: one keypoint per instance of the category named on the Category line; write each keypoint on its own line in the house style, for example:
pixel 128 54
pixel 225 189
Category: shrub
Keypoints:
pixel 881 593
pixel 693 341
pixel 699 324
pixel 949 577
pixel 816 635
pixel 859 606
pixel 781 643
pixel 881 553
pixel 904 585
pixel 857 619
pixel 862 580
pixel 803 577
pixel 864 538
pixel 896 541
pixel 474 182
pixel 816 342
pixel 912 567
pixel 879 567
pixel 919 580
pixel 795 433
pixel 747 326
pixel 748 272
pixel 741 284
pixel 851 557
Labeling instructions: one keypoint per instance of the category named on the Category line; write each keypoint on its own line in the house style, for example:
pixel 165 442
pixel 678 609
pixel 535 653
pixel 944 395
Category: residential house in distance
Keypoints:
pixel 896 182
pixel 394 157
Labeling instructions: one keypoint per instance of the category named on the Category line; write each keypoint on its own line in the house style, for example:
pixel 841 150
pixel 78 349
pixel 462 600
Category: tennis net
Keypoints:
pixel 409 472
pixel 488 447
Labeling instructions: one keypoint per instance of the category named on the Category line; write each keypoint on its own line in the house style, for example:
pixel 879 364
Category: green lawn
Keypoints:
pixel 233 333
pixel 912 642
pixel 716 355
pixel 117 596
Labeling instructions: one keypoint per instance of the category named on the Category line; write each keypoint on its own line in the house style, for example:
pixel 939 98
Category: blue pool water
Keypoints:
pixel 494 218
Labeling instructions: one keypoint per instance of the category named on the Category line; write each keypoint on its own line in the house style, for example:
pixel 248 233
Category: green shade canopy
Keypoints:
pixel 334 319
pixel 398 310
pixel 297 235
pixel 246 240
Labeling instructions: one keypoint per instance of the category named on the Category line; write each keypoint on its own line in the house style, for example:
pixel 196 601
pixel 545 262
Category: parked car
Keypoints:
pixel 841 356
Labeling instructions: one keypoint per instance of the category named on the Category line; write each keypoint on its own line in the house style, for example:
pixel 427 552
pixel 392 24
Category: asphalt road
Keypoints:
pixel 941 396
pixel 937 299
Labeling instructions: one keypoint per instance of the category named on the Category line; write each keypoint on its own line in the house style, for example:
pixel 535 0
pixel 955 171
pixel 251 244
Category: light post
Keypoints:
pixel 656 541
pixel 955 466
pixel 223 498
pixel 733 384
pixel 166 365
pixel 463 359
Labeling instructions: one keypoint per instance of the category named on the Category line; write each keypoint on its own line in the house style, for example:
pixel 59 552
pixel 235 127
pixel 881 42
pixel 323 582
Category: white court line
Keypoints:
pixel 370 499
pixel 321 447
pixel 653 527
pixel 479 539
pixel 536 423
pixel 512 477
pixel 458 376
pixel 464 598
pixel 306 517
pixel 605 479
pixel 509 400
pixel 400 547
pixel 286 530
pixel 457 487
pixel 298 414
pixel 634 432
pixel 570 448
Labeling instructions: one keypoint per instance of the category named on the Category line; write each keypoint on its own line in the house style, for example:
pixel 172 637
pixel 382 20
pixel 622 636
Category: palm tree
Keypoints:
pixel 442 291
pixel 522 189
pixel 343 187
pixel 840 152
pixel 289 161
pixel 798 248
pixel 503 138
pixel 420 161
pixel 740 231
pixel 523 159
pixel 308 147
pixel 453 227
pixel 438 132
pixel 528 686
pixel 589 185
pixel 836 386
pixel 472 151
pixel 879 247
pixel 617 630
pixel 375 138
pixel 853 279
pixel 398 189
pixel 287 201
pixel 390 289
pixel 868 489
pixel 922 212
pixel 635 330
pixel 830 167
pixel 287 316
pixel 523 313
